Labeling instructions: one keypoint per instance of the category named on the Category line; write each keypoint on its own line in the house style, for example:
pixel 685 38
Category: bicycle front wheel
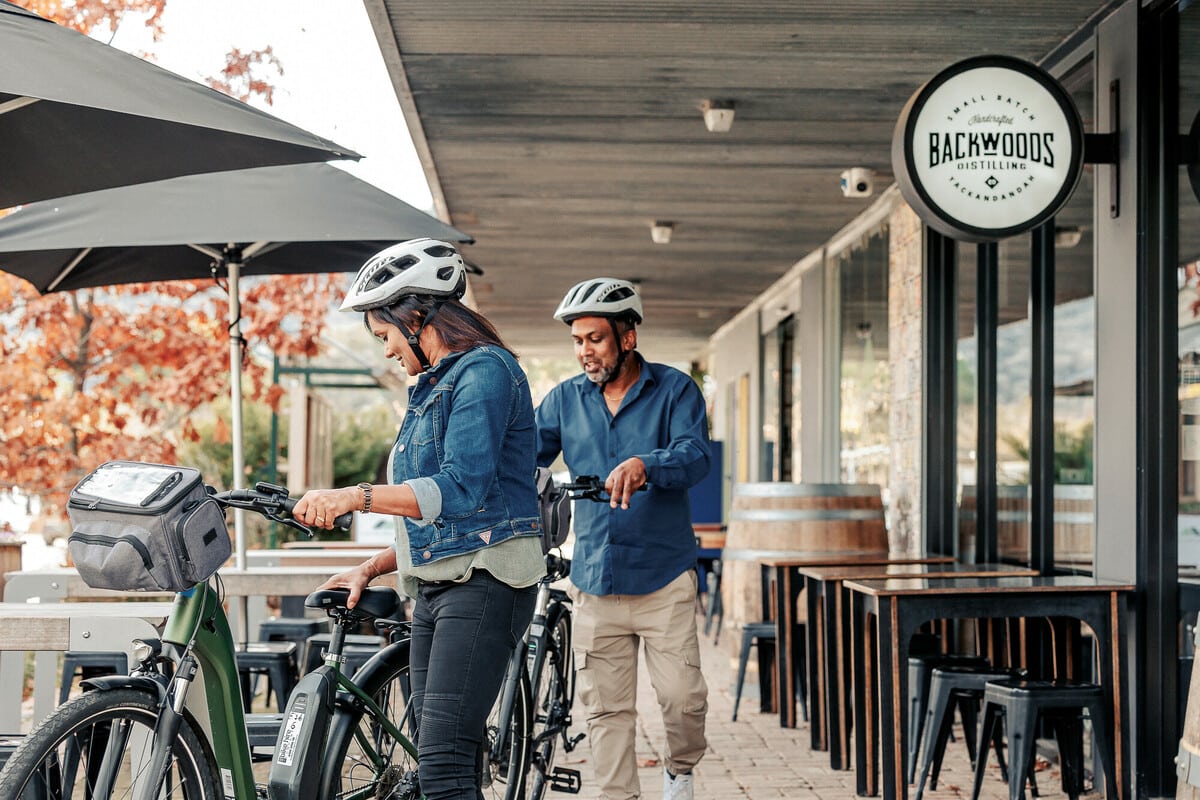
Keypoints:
pixel 98 746
pixel 363 760
pixel 554 693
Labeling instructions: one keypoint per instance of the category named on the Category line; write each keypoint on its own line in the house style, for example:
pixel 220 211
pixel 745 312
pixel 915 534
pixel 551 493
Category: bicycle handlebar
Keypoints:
pixel 589 487
pixel 557 567
pixel 273 502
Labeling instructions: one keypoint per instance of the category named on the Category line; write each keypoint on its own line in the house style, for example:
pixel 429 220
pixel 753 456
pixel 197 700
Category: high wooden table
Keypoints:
pixel 55 627
pixel 52 585
pixel 828 637
pixel 780 604
pixel 47 592
pixel 887 612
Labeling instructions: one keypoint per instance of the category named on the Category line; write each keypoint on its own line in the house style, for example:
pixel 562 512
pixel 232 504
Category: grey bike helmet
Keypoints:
pixel 600 297
pixel 420 266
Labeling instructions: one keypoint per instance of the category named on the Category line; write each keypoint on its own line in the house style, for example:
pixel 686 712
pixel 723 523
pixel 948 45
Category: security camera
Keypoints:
pixel 858 182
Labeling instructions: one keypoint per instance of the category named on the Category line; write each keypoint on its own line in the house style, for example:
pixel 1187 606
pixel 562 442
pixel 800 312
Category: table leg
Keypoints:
pixel 786 652
pixel 865 718
pixel 893 638
pixel 814 634
pixel 1110 644
pixel 837 653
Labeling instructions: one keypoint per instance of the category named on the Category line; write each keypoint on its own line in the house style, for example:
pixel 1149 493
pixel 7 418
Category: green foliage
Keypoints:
pixel 361 445
pixel 212 454
pixel 1072 452
pixel 966 382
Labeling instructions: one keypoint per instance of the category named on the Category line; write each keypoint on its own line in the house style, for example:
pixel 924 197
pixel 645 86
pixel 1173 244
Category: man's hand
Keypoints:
pixel 622 482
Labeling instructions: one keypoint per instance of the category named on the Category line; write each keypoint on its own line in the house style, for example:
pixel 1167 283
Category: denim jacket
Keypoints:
pixel 467 448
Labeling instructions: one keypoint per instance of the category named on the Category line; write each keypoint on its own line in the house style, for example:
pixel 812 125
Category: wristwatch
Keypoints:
pixel 366 490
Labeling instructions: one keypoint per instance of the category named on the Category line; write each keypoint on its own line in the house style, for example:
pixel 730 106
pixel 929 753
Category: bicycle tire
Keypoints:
pixel 385 769
pixel 504 772
pixel 59 758
pixel 554 693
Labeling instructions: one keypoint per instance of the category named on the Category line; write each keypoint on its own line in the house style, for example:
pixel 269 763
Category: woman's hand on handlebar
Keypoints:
pixel 622 482
pixel 318 508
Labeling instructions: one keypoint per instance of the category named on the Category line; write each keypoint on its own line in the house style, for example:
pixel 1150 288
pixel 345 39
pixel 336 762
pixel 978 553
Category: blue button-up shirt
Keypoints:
pixel 662 421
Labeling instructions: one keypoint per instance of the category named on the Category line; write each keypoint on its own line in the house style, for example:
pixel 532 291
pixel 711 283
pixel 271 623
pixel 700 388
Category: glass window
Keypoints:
pixel 768 467
pixel 1074 376
pixel 780 403
pixel 864 374
pixel 1075 356
pixel 1014 369
pixel 967 405
pixel 1189 296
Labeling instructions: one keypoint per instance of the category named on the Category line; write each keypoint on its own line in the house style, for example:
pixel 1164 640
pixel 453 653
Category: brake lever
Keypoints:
pixel 277 506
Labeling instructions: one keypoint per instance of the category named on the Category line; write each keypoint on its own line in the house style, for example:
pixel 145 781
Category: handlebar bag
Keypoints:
pixel 140 527
pixel 554 507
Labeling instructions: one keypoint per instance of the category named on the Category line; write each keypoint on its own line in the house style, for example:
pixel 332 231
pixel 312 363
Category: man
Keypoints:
pixel 635 424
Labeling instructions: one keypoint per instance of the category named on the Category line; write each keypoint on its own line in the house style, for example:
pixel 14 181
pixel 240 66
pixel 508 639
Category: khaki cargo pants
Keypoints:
pixel 608 630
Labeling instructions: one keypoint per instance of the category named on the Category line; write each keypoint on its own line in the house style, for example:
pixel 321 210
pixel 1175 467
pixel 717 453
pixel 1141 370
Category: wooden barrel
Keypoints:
pixel 786 520
pixel 1012 522
pixel 1074 527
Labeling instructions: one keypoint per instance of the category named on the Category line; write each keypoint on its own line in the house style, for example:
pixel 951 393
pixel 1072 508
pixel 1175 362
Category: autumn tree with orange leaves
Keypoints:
pixel 100 374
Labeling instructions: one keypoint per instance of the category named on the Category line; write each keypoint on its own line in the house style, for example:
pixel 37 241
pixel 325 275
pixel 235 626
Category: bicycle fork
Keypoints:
pixel 166 728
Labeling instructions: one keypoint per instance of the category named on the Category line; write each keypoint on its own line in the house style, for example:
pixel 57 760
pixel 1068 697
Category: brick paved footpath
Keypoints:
pixel 756 759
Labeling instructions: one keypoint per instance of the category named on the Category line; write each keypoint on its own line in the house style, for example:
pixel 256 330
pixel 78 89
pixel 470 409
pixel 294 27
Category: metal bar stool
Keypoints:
pixel 277 660
pixel 1022 703
pixel 961 686
pixel 90 664
pixel 920 672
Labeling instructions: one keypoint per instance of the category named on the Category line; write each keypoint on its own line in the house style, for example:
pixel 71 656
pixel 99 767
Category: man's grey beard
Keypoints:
pixel 604 375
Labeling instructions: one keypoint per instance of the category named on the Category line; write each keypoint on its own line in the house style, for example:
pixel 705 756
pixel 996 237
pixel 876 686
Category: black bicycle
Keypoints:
pixel 551 667
pixel 552 664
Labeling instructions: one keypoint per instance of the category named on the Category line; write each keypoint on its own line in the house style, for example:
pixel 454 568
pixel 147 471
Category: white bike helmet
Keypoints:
pixel 420 266
pixel 600 297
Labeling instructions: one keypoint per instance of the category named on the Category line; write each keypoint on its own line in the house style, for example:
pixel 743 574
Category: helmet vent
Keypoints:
pixel 440 251
pixel 445 273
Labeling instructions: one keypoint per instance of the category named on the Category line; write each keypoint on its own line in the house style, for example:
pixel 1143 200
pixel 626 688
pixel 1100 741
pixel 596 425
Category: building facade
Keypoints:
pixel 1031 400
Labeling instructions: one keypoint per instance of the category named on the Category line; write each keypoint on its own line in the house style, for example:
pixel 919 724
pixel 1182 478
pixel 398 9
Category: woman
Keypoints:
pixel 461 475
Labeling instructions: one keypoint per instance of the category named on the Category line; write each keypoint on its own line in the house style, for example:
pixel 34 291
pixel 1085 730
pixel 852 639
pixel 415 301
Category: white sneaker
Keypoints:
pixel 677 787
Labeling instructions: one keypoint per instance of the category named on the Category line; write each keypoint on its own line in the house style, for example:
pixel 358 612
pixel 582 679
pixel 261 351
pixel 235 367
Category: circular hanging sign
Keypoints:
pixel 990 147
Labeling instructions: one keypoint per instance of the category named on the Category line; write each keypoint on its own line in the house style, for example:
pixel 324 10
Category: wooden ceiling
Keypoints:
pixel 556 132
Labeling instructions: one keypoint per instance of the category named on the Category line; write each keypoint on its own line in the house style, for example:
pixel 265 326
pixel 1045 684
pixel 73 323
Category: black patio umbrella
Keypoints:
pixel 77 115
pixel 300 218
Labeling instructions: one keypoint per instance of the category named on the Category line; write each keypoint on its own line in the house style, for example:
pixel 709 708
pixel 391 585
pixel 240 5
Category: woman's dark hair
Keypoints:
pixel 460 327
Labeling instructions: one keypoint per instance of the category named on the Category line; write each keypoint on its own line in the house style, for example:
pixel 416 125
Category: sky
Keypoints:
pixel 334 81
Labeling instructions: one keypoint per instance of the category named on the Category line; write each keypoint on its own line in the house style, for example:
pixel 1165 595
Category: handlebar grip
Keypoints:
pixel 342 522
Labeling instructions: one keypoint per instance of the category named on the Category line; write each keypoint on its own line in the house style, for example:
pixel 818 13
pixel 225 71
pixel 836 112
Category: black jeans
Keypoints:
pixel 462 637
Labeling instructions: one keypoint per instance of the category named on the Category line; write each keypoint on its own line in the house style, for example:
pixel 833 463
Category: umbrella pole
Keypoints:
pixel 234 268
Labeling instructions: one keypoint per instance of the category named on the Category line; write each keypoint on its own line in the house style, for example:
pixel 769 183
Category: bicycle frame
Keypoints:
pixel 198 621
pixel 199 628
pixel 535 634
pixel 508 693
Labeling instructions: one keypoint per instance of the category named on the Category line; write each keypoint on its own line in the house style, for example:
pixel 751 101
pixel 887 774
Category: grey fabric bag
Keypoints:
pixel 141 527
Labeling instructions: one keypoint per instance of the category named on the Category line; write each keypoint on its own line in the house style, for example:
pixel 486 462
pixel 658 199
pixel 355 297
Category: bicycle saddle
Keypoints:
pixel 376 602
